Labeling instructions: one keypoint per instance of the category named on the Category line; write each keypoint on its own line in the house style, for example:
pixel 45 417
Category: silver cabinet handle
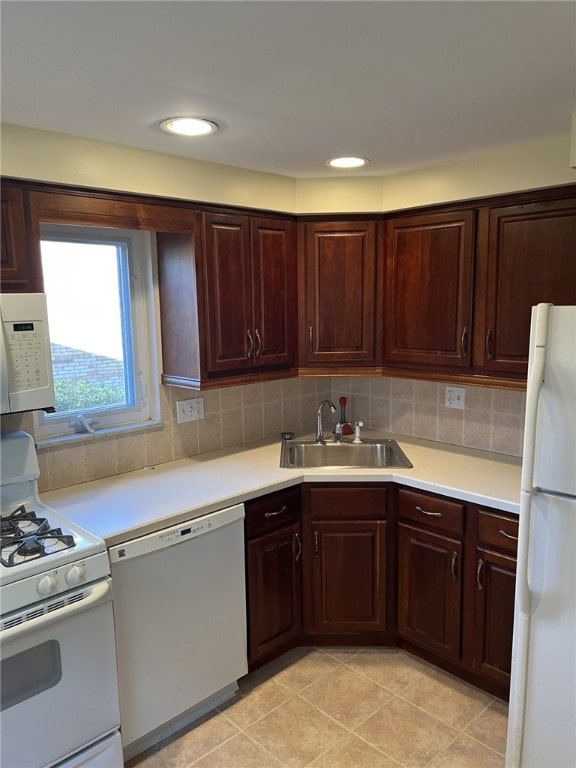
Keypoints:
pixel 453 563
pixel 507 535
pixel 258 342
pixel 430 514
pixel 316 544
pixel 464 342
pixel 299 545
pixel 250 344
pixel 278 512
pixel 488 345
pixel 309 338
pixel 479 574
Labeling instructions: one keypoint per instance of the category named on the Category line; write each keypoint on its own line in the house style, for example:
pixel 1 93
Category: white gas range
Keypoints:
pixel 56 632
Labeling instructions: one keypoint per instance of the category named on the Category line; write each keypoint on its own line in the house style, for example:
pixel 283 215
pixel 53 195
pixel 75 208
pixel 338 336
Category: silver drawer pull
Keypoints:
pixel 250 344
pixel 507 535
pixel 274 514
pixel 430 514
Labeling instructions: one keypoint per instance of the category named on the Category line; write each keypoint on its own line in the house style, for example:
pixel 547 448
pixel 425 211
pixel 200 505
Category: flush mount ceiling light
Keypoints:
pixel 188 126
pixel 347 162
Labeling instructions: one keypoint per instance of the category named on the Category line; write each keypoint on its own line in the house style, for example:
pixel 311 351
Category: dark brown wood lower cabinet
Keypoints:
pixel 275 591
pixel 423 571
pixel 430 590
pixel 495 586
pixel 348 588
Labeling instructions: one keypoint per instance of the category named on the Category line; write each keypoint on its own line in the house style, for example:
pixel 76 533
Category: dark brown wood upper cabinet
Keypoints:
pixel 275 300
pixel 341 300
pixel 18 272
pixel 428 315
pixel 227 293
pixel 531 258
pixel 441 291
pixel 251 298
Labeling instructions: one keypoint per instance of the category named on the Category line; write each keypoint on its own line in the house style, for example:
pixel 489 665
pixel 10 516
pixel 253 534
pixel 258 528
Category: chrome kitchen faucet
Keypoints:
pixel 319 430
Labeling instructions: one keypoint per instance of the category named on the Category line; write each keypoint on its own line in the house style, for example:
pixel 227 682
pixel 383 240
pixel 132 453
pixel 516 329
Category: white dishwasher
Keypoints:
pixel 180 617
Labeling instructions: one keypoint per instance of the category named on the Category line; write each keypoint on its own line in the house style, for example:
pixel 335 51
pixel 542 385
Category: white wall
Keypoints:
pixel 44 156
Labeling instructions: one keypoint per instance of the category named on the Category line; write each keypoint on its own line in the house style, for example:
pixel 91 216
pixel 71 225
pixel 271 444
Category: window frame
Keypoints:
pixel 141 256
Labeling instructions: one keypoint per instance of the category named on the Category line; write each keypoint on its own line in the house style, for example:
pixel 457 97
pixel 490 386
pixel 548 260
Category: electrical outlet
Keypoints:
pixel 190 410
pixel 455 397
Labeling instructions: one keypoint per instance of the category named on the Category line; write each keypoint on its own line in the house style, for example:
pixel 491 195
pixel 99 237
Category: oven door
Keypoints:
pixel 59 688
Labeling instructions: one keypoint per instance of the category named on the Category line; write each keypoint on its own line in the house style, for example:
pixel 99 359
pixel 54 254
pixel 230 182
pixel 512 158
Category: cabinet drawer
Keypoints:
pixel 271 512
pixel 433 511
pixel 498 531
pixel 351 502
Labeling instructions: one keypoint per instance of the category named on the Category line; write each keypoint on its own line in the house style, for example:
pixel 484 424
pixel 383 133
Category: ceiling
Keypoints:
pixel 406 84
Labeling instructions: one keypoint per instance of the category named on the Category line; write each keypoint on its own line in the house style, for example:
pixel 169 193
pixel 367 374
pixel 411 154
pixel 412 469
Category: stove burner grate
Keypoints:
pixel 25 537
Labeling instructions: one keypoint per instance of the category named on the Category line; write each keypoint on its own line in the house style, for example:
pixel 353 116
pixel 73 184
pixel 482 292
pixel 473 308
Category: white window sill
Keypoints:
pixel 74 437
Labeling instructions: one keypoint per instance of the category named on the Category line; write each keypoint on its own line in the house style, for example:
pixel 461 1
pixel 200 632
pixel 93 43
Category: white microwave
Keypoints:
pixel 26 360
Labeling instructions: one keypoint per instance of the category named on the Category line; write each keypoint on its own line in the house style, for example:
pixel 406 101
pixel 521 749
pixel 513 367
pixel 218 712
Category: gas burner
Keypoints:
pixel 16 550
pixel 22 523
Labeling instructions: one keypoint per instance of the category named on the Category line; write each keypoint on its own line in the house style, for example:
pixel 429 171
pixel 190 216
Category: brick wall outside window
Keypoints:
pixel 79 365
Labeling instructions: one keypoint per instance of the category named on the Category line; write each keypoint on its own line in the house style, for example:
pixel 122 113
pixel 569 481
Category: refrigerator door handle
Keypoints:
pixel 534 387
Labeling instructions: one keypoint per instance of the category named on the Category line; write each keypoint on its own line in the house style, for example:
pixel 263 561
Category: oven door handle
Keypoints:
pixel 99 593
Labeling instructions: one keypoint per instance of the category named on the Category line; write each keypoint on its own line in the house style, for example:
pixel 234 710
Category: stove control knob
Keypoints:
pixel 47 585
pixel 76 574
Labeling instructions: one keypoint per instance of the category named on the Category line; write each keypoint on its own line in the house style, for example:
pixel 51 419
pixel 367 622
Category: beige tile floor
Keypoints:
pixel 344 708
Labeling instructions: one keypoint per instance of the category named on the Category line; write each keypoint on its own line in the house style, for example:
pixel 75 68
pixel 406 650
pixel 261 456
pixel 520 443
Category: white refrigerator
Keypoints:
pixel 542 715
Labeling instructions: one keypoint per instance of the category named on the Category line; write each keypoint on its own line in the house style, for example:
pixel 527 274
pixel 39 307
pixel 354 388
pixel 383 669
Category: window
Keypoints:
pixel 98 286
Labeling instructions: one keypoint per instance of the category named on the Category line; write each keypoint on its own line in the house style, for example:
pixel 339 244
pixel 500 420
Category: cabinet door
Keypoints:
pixel 231 342
pixel 531 259
pixel 494 615
pixel 429 590
pixel 341 293
pixel 18 272
pixel 274 282
pixel 348 576
pixel 274 586
pixel 429 290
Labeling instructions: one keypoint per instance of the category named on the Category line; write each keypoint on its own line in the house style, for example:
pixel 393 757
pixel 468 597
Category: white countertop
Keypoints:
pixel 125 506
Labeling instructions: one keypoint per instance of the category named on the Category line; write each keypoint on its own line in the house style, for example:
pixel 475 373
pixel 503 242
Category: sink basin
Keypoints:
pixel 368 453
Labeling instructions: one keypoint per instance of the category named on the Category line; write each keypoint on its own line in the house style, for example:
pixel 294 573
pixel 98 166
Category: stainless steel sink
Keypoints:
pixel 368 453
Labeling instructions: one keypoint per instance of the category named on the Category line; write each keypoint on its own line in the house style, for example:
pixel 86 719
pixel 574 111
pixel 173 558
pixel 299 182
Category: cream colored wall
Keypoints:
pixel 527 166
pixel 44 156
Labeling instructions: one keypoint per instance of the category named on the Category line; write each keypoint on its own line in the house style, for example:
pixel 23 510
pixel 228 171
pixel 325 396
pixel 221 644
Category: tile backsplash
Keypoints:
pixel 492 419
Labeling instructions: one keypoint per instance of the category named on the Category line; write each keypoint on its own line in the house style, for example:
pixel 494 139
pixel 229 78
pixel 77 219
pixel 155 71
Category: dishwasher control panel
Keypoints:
pixel 168 537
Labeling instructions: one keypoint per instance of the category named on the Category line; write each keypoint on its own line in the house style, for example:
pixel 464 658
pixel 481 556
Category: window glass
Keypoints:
pixel 99 314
